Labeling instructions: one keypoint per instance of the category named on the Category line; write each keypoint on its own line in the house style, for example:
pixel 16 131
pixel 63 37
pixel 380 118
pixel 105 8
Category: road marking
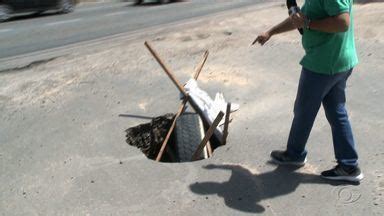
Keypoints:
pixel 62 22
pixel 116 13
pixel 5 30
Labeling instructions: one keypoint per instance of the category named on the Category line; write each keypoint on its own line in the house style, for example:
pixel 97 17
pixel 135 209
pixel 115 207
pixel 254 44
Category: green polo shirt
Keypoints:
pixel 328 53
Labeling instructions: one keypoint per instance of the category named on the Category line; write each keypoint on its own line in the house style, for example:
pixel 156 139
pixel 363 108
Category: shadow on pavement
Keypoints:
pixel 244 190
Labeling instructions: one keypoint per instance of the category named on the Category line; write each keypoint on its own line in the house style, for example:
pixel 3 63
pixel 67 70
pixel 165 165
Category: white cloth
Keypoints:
pixel 210 108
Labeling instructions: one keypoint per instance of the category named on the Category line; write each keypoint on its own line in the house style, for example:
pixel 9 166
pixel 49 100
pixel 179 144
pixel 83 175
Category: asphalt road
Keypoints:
pixel 29 33
pixel 63 148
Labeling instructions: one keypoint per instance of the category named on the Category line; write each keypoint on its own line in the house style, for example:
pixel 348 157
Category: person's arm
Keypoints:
pixel 333 24
pixel 282 27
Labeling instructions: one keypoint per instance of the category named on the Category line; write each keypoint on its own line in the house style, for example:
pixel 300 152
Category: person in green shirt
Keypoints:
pixel 330 56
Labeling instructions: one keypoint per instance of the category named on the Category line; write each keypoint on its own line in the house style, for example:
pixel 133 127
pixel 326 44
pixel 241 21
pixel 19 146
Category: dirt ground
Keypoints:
pixel 60 129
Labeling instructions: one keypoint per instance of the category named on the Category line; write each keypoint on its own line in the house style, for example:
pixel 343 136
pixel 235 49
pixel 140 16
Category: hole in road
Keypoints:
pixel 185 138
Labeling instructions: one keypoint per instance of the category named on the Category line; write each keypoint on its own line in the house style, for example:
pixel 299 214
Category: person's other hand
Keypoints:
pixel 298 20
pixel 262 38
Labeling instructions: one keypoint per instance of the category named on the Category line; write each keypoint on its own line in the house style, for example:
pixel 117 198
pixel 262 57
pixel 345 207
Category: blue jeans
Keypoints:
pixel 329 90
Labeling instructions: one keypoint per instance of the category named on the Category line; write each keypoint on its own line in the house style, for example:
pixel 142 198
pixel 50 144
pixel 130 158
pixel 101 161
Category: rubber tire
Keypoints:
pixel 5 13
pixel 67 6
pixel 189 132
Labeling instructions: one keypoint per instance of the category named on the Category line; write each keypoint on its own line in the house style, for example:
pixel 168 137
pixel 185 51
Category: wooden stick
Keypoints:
pixel 226 123
pixel 197 73
pixel 207 136
pixel 200 67
pixel 165 68
pixel 180 111
pixel 209 149
pixel 175 81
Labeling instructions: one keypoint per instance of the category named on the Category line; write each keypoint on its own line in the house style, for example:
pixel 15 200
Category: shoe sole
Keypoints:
pixel 345 178
pixel 289 163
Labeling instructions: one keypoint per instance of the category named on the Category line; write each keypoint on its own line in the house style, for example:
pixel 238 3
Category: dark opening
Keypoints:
pixel 185 138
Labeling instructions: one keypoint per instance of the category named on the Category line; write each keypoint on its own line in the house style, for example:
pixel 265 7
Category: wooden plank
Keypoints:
pixel 207 136
pixel 226 123
pixel 165 68
pixel 197 73
pixel 209 149
pixel 175 81
pixel 180 111
pixel 201 65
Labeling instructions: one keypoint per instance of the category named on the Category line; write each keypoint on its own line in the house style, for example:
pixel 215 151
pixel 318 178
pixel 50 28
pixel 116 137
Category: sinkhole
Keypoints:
pixel 187 135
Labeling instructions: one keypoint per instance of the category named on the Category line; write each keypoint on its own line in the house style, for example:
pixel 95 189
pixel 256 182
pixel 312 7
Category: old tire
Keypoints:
pixel 189 132
pixel 67 6
pixel 5 12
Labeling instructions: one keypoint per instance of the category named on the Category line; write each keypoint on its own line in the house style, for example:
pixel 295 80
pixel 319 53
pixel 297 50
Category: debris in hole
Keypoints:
pixel 149 137
pixel 183 137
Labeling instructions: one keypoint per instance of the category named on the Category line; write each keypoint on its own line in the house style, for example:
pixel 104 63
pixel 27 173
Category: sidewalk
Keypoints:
pixel 62 144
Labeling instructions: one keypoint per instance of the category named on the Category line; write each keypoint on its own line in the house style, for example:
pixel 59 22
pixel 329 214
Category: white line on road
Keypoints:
pixel 62 22
pixel 5 30
pixel 116 13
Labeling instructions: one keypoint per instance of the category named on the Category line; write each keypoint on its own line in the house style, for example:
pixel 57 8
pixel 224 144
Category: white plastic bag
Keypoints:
pixel 210 108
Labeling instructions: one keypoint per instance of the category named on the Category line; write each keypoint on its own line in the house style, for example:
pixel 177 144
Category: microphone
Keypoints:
pixel 292 9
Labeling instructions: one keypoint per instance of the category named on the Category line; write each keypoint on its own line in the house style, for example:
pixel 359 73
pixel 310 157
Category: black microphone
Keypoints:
pixel 292 9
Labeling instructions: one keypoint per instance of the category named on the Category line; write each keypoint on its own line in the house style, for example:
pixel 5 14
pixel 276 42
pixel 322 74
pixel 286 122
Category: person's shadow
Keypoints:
pixel 244 190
